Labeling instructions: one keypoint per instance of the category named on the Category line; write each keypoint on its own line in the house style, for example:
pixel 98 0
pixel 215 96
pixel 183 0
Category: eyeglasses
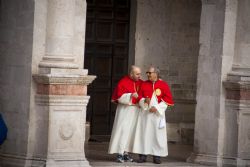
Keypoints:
pixel 149 73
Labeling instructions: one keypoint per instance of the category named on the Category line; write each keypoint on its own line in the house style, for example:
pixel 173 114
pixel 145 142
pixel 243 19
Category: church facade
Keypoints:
pixel 61 59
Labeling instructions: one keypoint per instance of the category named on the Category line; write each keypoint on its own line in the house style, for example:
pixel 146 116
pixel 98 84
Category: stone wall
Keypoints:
pixel 16 28
pixel 167 36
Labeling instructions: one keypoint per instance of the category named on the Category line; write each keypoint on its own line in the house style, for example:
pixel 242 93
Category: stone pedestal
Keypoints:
pixel 238 101
pixel 63 94
pixel 236 141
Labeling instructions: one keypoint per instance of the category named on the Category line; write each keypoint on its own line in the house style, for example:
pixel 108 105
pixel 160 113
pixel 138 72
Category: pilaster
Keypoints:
pixel 215 126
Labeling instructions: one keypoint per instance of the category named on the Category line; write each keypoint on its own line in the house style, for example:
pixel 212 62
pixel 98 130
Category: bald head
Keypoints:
pixel 135 73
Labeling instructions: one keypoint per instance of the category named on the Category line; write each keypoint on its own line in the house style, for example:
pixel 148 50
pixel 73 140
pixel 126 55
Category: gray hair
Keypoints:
pixel 156 70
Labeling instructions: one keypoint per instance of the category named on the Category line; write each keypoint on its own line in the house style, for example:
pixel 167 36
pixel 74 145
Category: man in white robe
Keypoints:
pixel 151 134
pixel 125 94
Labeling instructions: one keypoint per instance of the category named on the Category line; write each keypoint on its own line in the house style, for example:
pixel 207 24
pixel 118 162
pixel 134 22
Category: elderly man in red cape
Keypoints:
pixel 151 134
pixel 125 94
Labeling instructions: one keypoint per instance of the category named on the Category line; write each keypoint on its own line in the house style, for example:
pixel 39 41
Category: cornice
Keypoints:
pixel 63 79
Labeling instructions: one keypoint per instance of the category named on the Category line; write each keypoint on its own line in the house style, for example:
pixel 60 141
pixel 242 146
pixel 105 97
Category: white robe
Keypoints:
pixel 122 136
pixel 150 133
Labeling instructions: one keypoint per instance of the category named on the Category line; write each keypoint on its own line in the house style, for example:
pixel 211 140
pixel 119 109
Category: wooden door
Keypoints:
pixel 106 56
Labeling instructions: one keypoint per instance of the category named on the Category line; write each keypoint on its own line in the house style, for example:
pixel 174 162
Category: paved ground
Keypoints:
pixel 96 154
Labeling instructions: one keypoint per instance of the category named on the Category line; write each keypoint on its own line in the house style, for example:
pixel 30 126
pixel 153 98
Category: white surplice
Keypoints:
pixel 150 133
pixel 122 136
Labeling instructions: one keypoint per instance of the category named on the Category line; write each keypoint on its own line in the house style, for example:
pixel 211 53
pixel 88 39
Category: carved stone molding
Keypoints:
pixel 66 131
pixel 237 85
pixel 238 104
pixel 61 100
pixel 63 79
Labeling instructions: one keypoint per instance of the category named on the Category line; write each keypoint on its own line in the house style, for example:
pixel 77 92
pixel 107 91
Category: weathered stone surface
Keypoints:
pixel 16 39
pixel 213 123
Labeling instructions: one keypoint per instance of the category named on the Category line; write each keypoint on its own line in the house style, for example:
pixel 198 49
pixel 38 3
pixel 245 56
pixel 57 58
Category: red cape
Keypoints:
pixel 161 89
pixel 126 85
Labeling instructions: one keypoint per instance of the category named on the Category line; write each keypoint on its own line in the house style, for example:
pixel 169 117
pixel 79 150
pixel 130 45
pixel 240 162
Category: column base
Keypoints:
pixel 67 163
pixel 212 160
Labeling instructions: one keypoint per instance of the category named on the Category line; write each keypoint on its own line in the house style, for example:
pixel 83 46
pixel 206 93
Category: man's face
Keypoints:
pixel 136 74
pixel 151 74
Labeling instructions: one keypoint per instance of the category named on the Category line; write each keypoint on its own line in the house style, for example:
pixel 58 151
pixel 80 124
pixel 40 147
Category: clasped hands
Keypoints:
pixel 152 109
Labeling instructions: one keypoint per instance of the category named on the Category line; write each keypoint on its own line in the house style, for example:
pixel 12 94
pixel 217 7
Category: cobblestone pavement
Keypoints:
pixel 97 156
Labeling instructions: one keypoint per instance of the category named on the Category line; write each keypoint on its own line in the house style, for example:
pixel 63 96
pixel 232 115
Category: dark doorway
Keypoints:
pixel 106 56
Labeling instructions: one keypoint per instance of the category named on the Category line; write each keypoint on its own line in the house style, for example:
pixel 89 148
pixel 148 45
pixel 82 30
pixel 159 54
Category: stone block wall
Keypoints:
pixel 16 29
pixel 167 36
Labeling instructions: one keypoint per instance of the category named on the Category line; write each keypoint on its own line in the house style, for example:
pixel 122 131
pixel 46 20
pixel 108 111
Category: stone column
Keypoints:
pixel 61 87
pixel 59 35
pixel 214 125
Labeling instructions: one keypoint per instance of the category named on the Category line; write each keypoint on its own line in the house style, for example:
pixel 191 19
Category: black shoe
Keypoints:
pixel 142 158
pixel 126 157
pixel 119 158
pixel 156 160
